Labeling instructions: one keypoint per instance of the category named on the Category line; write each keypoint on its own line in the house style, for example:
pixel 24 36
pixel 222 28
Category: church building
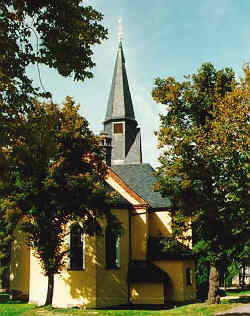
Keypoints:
pixel 117 268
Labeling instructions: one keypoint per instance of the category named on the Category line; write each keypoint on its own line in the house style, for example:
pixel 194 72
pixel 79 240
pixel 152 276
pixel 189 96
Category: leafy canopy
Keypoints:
pixel 58 34
pixel 204 136
pixel 59 177
pixel 50 163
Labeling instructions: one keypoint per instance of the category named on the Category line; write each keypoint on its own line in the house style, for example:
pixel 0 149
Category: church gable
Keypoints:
pixel 140 179
pixel 123 189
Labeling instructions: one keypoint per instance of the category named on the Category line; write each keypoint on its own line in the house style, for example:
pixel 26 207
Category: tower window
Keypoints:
pixel 118 128
pixel 76 248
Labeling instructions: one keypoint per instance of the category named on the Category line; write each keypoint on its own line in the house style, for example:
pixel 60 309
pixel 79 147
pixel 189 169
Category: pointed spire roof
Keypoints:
pixel 120 104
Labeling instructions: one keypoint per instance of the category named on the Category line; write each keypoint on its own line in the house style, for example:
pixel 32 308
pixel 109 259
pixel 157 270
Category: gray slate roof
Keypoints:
pixel 140 178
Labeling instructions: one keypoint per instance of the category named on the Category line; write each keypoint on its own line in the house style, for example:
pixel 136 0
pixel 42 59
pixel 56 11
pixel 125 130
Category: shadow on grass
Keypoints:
pixel 13 297
pixel 16 302
pixel 148 307
pixel 5 299
pixel 237 314
pixel 241 299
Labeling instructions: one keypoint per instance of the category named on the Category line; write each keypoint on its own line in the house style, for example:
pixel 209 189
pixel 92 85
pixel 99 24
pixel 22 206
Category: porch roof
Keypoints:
pixel 145 271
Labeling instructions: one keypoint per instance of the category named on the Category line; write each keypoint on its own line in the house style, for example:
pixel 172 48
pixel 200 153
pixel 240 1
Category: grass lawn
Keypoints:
pixel 14 309
pixel 11 309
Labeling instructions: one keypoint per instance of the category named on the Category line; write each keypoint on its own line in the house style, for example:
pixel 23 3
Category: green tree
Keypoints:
pixel 8 210
pixel 204 137
pixel 58 34
pixel 59 178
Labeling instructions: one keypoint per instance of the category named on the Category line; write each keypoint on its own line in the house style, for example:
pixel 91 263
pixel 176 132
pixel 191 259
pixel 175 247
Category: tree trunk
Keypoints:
pixel 213 293
pixel 243 276
pixel 50 289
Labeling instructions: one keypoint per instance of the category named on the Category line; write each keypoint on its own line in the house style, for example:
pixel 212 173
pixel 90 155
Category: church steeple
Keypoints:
pixel 120 102
pixel 120 123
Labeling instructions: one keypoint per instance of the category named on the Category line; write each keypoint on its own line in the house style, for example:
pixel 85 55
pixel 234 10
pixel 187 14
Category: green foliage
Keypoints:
pixel 204 137
pixel 202 276
pixel 9 217
pixel 232 271
pixel 58 34
pixel 60 178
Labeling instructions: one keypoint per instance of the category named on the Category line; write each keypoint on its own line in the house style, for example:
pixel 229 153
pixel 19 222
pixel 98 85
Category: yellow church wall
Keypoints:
pixel 38 282
pixel 20 264
pixel 139 233
pixel 175 287
pixel 95 286
pixel 146 293
pixel 79 286
pixel 71 288
pixel 160 224
pixel 111 284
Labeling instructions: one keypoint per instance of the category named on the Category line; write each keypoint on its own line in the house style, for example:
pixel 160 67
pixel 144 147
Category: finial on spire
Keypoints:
pixel 120 30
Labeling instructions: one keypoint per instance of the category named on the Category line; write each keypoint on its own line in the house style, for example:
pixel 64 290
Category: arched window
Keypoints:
pixel 189 277
pixel 112 248
pixel 76 248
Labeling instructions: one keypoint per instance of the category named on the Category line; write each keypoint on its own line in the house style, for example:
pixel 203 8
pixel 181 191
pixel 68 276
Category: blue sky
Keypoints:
pixel 161 38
